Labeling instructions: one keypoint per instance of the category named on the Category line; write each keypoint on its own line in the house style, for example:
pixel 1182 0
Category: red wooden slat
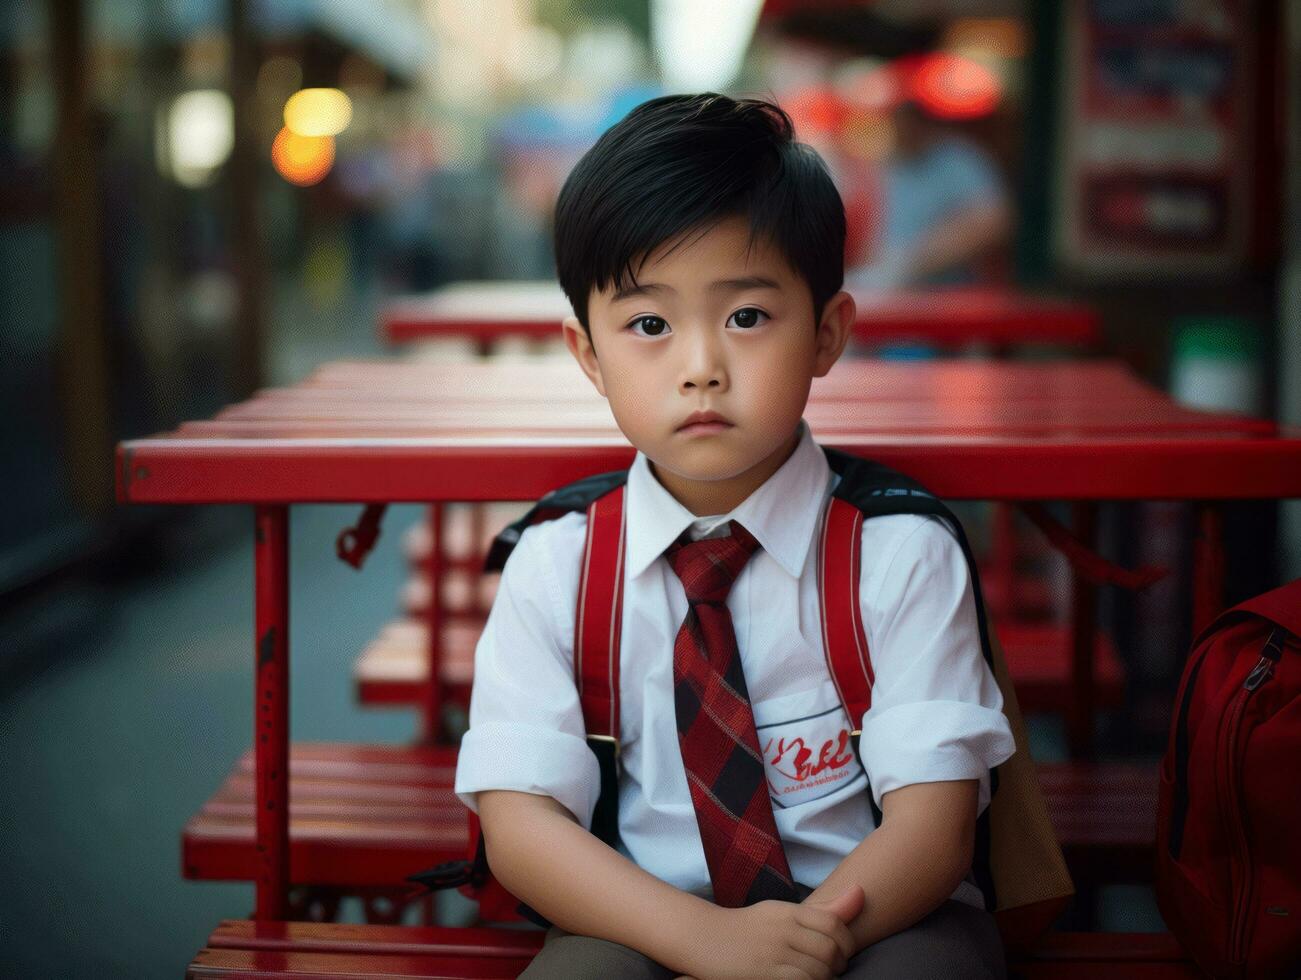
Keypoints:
pixel 325 851
pixel 358 815
pixel 333 950
pixel 238 787
pixel 422 765
pixel 280 965
pixel 338 937
pixel 1105 818
pixel 1118 956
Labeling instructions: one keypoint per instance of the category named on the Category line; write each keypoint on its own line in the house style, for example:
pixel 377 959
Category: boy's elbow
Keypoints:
pixel 507 820
pixel 961 849
pixel 940 820
pixel 950 855
pixel 962 854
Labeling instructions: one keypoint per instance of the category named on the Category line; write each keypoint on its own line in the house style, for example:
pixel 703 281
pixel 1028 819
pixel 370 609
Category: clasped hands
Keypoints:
pixel 792 941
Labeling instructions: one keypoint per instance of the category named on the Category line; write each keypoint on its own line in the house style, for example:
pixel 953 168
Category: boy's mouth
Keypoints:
pixel 702 423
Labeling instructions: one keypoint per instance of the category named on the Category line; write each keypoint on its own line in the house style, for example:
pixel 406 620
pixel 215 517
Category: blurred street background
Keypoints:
pixel 200 198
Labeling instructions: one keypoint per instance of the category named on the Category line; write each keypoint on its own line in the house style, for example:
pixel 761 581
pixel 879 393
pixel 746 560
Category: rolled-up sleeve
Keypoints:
pixel 937 712
pixel 526 726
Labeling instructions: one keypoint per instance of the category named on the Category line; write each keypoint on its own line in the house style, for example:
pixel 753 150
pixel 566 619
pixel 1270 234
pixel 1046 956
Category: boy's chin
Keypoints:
pixel 703 465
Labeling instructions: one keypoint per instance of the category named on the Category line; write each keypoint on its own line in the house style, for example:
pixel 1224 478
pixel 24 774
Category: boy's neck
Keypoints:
pixel 707 497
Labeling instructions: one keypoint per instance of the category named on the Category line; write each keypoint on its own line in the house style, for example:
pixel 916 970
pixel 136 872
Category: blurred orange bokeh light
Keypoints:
pixel 302 160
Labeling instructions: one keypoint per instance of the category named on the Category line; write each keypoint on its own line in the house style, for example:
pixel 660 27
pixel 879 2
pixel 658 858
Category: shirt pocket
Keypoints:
pixel 807 751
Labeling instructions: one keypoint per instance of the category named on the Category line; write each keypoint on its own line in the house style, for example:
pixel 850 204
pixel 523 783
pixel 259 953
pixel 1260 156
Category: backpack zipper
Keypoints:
pixel 1262 672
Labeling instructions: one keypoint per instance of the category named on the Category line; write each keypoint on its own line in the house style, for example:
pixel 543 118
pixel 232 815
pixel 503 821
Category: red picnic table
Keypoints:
pixel 376 433
pixel 949 318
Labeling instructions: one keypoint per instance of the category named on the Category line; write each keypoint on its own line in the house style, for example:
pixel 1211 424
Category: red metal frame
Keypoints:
pixel 1084 615
pixel 271 708
pixel 433 696
pixel 1208 566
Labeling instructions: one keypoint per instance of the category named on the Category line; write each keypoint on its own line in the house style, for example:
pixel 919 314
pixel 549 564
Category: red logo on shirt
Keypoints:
pixel 793 759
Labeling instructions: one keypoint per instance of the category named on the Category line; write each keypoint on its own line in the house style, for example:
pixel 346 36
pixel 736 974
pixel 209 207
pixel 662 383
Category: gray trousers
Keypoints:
pixel 956 940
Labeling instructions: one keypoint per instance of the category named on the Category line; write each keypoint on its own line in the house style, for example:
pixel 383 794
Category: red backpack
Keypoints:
pixel 1228 861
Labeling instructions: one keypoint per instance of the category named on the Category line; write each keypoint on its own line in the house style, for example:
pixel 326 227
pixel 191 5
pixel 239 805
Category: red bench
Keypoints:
pixel 394 667
pixel 361 818
pixel 1105 818
pixel 1115 956
pixel 296 949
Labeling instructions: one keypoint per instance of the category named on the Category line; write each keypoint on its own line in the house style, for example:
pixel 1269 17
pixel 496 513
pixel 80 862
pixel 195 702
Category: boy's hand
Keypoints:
pixel 809 941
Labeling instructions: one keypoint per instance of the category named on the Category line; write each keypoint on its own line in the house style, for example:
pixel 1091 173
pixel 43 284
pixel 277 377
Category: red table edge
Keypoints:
pixel 323 470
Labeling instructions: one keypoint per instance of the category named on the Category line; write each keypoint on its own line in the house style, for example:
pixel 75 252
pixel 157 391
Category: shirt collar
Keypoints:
pixel 781 513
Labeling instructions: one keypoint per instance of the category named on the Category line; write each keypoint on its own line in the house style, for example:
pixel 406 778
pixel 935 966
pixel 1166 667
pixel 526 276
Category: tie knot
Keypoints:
pixel 708 567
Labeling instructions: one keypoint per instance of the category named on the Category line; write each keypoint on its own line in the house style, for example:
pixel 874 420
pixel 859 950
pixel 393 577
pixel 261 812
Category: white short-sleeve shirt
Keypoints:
pixel 936 710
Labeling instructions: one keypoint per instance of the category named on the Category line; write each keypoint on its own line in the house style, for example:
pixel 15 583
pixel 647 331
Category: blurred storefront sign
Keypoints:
pixel 1154 173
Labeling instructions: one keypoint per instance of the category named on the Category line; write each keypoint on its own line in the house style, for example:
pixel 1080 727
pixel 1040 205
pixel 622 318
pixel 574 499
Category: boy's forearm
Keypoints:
pixel 911 863
pixel 547 860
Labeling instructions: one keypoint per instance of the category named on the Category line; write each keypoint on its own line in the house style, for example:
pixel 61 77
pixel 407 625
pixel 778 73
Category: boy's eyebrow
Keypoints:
pixel 720 285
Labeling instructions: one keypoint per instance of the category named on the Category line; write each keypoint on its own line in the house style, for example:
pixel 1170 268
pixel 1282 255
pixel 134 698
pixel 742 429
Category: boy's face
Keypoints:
pixel 711 329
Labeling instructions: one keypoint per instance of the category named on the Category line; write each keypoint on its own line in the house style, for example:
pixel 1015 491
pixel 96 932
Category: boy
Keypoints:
pixel 702 250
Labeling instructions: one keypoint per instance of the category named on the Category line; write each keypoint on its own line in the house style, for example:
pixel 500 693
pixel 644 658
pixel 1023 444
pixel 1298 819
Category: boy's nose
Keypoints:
pixel 704 367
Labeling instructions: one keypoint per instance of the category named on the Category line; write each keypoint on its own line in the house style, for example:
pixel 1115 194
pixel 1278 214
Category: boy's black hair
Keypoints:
pixel 683 162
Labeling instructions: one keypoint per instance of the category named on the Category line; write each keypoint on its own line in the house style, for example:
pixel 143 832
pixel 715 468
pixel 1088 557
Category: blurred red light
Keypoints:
pixel 952 87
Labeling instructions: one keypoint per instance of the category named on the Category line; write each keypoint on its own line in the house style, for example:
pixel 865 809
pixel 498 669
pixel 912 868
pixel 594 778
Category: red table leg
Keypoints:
pixel 1084 614
pixel 1208 566
pixel 271 710
pixel 431 710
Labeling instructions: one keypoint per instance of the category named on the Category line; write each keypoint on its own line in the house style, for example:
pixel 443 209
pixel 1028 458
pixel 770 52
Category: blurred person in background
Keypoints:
pixel 890 104
pixel 945 215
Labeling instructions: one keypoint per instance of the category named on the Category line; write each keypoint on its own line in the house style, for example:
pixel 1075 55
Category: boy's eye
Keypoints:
pixel 748 317
pixel 652 326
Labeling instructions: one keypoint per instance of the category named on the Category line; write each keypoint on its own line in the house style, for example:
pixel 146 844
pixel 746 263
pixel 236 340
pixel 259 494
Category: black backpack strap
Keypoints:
pixel 564 500
pixel 454 874
pixel 877 491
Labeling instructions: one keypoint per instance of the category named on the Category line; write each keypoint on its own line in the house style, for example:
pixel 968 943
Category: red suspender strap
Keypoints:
pixel 840 543
pixel 600 617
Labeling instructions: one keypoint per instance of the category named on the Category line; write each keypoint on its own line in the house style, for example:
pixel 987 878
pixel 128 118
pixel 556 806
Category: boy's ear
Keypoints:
pixel 580 345
pixel 833 332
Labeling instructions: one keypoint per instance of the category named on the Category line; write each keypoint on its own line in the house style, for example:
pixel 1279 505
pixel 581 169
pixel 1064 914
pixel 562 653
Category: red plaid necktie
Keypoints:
pixel 720 748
